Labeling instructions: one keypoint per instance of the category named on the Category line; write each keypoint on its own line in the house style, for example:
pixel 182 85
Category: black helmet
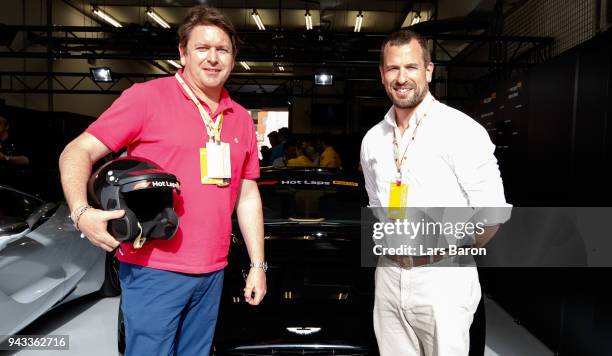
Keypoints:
pixel 143 190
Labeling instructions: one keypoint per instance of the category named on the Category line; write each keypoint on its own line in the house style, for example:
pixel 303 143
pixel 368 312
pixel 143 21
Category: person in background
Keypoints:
pixel 275 145
pixel 279 150
pixel 12 161
pixel 329 156
pixel 265 156
pixel 9 153
pixel 288 153
pixel 310 151
pixel 301 160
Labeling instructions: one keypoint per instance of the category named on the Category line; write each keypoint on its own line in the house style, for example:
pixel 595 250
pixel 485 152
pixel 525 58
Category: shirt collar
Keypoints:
pixel 420 110
pixel 225 101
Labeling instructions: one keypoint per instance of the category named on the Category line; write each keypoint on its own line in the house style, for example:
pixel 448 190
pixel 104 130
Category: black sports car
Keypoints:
pixel 319 299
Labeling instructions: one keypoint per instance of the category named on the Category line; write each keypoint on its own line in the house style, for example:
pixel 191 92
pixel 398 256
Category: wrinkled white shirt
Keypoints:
pixel 449 164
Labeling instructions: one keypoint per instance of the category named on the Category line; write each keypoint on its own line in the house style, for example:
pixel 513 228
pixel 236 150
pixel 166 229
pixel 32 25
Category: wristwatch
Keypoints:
pixel 260 264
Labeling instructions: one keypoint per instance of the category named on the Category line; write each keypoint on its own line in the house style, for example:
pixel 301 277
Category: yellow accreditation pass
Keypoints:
pixel 215 165
pixel 398 200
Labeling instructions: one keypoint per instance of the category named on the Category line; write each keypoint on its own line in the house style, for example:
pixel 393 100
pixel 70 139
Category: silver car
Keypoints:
pixel 43 260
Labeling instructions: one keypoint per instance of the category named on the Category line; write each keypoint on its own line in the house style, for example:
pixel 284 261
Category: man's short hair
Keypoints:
pixel 206 16
pixel 404 37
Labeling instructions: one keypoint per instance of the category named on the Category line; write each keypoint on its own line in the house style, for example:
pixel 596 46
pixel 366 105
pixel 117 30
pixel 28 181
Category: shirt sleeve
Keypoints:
pixel 477 171
pixel 368 174
pixel 122 123
pixel 250 168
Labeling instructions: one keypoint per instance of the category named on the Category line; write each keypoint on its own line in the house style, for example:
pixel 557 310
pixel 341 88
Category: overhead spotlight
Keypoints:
pixel 106 17
pixel 257 20
pixel 101 74
pixel 152 14
pixel 416 19
pixel 308 20
pixel 245 65
pixel 324 79
pixel 358 21
pixel 174 63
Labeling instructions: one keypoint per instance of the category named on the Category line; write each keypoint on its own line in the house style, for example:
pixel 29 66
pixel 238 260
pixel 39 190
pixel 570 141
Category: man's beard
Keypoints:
pixel 414 98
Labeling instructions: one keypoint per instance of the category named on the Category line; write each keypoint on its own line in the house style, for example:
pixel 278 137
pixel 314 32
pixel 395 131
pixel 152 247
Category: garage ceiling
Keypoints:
pixel 331 44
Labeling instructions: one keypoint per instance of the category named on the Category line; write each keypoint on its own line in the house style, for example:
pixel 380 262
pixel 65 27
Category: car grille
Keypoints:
pixel 291 350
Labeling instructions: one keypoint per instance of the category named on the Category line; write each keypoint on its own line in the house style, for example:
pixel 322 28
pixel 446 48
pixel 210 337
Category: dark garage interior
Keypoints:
pixel 536 74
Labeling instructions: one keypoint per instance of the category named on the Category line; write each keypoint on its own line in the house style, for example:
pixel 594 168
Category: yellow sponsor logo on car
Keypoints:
pixel 343 182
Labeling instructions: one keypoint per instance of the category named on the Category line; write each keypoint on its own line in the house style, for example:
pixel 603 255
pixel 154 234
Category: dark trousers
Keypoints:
pixel 168 313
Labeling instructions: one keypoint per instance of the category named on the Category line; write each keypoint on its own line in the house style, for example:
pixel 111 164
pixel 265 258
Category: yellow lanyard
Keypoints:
pixel 213 128
pixel 396 156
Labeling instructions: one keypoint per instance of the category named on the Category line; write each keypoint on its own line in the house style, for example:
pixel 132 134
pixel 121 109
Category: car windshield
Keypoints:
pixel 311 200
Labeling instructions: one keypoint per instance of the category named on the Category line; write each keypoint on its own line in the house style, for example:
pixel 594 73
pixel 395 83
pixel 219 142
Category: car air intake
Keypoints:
pixel 296 349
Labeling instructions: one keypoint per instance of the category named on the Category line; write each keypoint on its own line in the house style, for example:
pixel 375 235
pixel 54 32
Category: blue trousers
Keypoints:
pixel 168 313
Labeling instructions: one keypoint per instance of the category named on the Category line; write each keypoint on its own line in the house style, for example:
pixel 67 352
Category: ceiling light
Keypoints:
pixel 257 19
pixel 416 19
pixel 358 21
pixel 324 79
pixel 106 17
pixel 245 65
pixel 101 74
pixel 152 14
pixel 308 20
pixel 174 63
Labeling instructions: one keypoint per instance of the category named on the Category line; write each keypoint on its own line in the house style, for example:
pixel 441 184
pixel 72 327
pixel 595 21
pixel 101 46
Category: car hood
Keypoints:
pixel 314 281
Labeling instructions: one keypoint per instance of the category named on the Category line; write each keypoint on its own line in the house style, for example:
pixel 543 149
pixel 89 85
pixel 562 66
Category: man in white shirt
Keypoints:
pixel 425 154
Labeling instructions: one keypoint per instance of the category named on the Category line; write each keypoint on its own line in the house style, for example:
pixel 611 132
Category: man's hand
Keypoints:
pixel 93 224
pixel 255 288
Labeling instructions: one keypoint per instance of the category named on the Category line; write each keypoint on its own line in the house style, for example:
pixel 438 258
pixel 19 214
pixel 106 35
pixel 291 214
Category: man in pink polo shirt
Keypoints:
pixel 171 288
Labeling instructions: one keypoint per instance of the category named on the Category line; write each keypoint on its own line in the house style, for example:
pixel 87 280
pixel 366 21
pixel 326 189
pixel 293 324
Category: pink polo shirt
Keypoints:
pixel 157 120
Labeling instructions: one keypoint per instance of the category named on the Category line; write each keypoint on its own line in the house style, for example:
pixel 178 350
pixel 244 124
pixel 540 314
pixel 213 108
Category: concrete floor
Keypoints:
pixel 91 324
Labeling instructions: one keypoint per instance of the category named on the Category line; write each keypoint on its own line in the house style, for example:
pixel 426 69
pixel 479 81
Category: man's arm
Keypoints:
pixel 368 175
pixel 75 165
pixel 250 219
pixel 477 171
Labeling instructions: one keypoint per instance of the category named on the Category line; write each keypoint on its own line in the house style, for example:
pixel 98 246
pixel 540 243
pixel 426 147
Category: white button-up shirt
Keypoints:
pixel 450 163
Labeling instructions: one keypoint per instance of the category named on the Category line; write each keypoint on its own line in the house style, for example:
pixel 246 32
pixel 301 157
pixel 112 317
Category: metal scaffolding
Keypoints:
pixel 298 48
